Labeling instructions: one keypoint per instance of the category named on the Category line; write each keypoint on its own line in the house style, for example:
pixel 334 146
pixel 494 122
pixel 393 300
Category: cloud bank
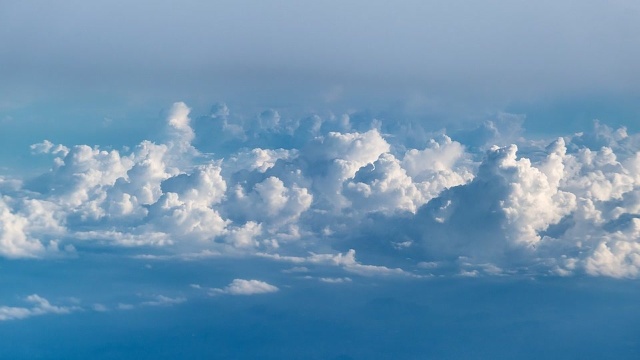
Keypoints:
pixel 308 190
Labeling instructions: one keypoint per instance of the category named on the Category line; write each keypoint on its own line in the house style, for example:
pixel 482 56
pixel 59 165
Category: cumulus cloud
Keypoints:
pixel 245 287
pixel 14 242
pixel 22 223
pixel 337 157
pixel 571 210
pixel 270 202
pixel 389 184
pixel 259 159
pixel 532 200
pixel 179 127
pixel 503 209
pixel 323 184
pixel 185 209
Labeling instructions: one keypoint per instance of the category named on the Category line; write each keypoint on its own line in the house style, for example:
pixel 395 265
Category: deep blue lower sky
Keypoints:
pixel 439 318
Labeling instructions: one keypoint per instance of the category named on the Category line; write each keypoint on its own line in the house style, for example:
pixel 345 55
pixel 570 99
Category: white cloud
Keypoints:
pixel 331 280
pixel 619 259
pixel 347 261
pixel 185 256
pixel 427 264
pixel 185 209
pixel 122 306
pixel 259 159
pixel 110 237
pixel 615 254
pixel 501 211
pixel 47 147
pixel 567 208
pixel 39 306
pixel 270 202
pixel 179 124
pixel 245 287
pixel 245 236
pixel 472 273
pixel 99 307
pixel 383 186
pixel 389 184
pixel 337 157
pixel 15 238
pixel 534 201
pixel 161 300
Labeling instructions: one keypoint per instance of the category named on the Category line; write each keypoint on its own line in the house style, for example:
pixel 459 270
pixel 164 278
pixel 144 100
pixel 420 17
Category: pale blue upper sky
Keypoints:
pixel 482 54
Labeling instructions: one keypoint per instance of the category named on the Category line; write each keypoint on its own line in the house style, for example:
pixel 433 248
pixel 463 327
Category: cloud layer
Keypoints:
pixel 284 188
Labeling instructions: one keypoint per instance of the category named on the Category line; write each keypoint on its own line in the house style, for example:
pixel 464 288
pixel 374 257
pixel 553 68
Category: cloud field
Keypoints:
pixel 319 190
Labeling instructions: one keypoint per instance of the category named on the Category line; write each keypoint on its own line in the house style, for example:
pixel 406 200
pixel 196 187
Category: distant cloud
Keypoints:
pixel 40 306
pixel 99 307
pixel 161 300
pixel 330 280
pixel 347 261
pixel 123 306
pixel 245 287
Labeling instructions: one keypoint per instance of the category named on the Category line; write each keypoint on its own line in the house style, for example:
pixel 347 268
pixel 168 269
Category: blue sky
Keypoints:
pixel 331 180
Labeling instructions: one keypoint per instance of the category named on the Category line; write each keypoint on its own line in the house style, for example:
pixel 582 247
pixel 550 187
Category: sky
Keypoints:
pixel 322 180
